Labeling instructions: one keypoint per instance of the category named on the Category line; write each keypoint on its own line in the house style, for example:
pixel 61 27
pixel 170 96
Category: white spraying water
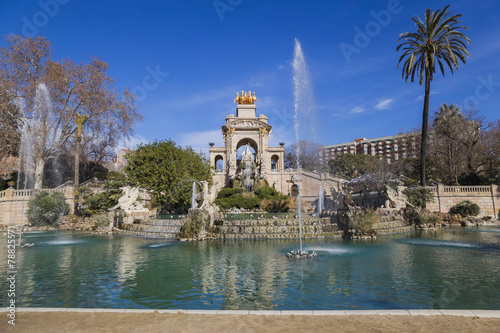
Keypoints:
pixel 321 204
pixel 193 196
pixel 303 105
pixel 36 134
pixel 248 183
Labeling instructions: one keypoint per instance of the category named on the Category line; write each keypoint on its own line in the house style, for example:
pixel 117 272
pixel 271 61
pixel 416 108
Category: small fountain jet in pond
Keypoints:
pixel 301 254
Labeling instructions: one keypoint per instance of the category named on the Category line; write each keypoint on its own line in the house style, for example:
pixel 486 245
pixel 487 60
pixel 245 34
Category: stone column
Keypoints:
pixel 439 194
pixel 7 207
pixel 69 193
pixel 495 197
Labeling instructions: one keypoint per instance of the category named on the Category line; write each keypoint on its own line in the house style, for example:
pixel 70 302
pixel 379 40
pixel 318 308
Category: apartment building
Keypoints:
pixel 392 148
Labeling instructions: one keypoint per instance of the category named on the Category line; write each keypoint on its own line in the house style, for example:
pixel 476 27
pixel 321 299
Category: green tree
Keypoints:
pixel 351 165
pixel 437 40
pixel 166 169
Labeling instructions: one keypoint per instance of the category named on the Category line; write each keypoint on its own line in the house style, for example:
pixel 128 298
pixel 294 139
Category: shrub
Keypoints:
pixel 466 208
pixel 360 219
pixel 427 218
pixel 410 214
pixel 101 220
pixel 192 227
pixel 227 192
pixel 115 175
pixel 90 203
pixel 267 193
pixel 283 204
pixel 45 209
pixel 238 201
pixel 417 216
pixel 365 219
pixel 418 197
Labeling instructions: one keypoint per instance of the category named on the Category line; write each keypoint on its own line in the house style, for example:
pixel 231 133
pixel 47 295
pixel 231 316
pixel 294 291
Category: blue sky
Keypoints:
pixel 212 49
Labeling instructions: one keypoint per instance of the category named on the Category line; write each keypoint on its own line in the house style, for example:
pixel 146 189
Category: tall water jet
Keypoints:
pixel 193 196
pixel 37 137
pixel 303 105
pixel 321 204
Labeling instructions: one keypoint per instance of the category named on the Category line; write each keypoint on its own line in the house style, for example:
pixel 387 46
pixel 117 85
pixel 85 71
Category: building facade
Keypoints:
pixel 251 130
pixel 392 148
pixel 246 129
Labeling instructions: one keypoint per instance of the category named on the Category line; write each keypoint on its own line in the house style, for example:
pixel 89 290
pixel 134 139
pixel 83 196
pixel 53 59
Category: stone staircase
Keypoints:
pixel 155 228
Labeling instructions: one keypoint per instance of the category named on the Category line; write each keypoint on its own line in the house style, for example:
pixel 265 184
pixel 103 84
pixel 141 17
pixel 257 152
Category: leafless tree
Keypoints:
pixel 26 68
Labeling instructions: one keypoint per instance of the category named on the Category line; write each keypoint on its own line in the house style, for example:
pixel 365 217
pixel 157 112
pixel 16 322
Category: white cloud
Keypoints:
pixel 357 109
pixel 199 140
pixel 281 67
pixel 384 104
pixel 336 114
pixel 421 97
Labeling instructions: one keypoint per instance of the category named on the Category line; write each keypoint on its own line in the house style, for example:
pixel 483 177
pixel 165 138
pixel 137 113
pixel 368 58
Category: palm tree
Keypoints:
pixel 438 39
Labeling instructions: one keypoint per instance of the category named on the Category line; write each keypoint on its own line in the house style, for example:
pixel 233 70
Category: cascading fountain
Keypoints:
pixel 248 183
pixel 303 105
pixel 321 204
pixel 247 158
pixel 193 196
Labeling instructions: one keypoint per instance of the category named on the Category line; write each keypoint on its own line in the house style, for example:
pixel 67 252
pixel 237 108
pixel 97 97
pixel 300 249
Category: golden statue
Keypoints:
pixel 245 98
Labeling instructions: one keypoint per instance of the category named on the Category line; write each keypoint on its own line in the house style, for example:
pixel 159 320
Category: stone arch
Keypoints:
pixel 275 159
pixel 219 162
pixel 245 141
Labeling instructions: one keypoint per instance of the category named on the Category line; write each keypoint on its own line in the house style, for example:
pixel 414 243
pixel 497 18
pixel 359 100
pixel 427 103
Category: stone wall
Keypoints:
pixel 445 197
pixel 14 202
pixel 486 197
pixel 153 228
pixel 276 229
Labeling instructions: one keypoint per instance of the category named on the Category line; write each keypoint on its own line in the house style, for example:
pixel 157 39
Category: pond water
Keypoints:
pixel 445 269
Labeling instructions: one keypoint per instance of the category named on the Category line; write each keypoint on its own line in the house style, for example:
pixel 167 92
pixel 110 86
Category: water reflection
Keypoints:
pixel 456 268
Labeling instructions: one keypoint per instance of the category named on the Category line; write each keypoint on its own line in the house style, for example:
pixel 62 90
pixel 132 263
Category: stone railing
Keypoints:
pixel 14 202
pixel 487 197
pixel 466 189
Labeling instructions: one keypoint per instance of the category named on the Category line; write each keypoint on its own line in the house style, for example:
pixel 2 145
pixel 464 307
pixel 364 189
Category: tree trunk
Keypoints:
pixel 76 181
pixel 425 125
pixel 39 166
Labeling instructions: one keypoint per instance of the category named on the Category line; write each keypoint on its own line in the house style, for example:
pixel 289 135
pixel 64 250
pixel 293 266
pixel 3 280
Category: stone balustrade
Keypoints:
pixel 486 197
pixel 14 203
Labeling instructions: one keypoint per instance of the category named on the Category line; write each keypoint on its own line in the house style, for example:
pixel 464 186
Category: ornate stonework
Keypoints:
pixel 246 128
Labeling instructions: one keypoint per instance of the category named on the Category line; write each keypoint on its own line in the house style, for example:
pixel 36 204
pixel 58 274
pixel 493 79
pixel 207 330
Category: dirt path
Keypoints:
pixel 167 322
